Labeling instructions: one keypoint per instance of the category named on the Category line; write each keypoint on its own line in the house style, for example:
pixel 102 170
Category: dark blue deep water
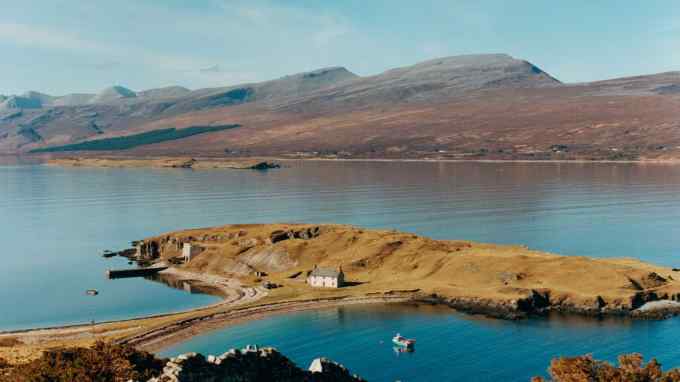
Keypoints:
pixel 54 223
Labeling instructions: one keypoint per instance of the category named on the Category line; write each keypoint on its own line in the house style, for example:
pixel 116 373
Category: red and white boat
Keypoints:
pixel 403 342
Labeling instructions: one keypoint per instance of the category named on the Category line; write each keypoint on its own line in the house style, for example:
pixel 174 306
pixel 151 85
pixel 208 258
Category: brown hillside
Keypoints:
pixel 463 107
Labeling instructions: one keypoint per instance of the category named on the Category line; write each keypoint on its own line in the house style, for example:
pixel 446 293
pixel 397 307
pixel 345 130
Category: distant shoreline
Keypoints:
pixel 208 162
pixel 539 161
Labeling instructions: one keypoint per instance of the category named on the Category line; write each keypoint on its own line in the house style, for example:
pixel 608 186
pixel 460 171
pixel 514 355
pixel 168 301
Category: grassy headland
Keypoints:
pixel 500 280
pixel 381 266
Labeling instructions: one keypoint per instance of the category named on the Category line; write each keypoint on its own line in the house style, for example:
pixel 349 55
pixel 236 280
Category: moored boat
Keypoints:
pixel 403 342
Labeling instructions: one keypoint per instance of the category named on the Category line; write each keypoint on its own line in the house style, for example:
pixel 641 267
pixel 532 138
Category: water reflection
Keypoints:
pixel 189 286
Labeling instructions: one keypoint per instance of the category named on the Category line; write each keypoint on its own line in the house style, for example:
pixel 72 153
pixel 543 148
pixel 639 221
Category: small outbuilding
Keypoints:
pixel 326 277
pixel 187 252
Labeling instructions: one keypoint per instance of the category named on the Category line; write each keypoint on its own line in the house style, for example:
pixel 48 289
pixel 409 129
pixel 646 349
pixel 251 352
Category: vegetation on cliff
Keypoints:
pixel 631 368
pixel 103 362
pixel 106 362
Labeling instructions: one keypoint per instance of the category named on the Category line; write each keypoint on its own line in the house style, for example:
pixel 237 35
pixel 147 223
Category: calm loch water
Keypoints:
pixel 450 346
pixel 54 223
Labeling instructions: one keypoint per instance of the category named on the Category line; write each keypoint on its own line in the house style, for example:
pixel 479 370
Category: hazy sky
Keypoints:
pixel 63 46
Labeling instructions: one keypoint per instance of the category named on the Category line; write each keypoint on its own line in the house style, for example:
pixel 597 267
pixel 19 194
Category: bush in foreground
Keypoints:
pixel 631 368
pixel 104 362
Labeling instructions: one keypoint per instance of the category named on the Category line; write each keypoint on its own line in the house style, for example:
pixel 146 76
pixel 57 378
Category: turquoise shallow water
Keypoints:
pixel 54 222
pixel 450 346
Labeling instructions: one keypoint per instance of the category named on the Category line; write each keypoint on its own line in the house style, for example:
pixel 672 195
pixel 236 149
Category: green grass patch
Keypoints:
pixel 135 140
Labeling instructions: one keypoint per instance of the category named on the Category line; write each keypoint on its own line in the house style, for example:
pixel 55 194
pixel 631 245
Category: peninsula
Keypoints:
pixel 262 269
pixel 497 280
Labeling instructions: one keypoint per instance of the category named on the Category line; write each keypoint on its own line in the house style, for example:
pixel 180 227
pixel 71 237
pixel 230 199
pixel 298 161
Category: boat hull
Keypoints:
pixel 403 344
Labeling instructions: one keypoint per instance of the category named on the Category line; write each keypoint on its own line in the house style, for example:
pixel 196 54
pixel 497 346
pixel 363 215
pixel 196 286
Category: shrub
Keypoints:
pixel 103 362
pixel 630 368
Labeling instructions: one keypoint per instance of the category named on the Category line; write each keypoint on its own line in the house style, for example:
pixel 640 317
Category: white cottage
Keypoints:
pixel 326 278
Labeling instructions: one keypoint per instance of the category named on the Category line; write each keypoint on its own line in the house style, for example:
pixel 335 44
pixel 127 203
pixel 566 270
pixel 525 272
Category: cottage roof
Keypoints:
pixel 325 272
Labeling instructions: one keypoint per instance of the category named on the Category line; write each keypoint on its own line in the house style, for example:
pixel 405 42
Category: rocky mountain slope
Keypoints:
pixel 112 94
pixel 464 107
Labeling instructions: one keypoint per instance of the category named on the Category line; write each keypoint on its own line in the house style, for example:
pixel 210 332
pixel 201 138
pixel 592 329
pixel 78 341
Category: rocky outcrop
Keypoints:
pixel 148 250
pixel 643 305
pixel 18 102
pixel 186 164
pixel 29 133
pixel 250 364
pixel 112 94
pixel 304 234
pixel 507 310
pixel 264 166
pixel 11 114
pixel 164 93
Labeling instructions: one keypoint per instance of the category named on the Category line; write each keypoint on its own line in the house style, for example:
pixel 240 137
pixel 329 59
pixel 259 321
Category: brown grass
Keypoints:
pixel 9 342
pixel 390 260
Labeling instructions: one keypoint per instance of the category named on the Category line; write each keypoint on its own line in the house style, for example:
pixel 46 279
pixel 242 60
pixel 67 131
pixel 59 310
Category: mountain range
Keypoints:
pixel 489 106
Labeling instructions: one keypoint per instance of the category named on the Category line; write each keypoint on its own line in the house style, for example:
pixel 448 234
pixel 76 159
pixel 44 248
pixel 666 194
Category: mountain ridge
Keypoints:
pixel 489 106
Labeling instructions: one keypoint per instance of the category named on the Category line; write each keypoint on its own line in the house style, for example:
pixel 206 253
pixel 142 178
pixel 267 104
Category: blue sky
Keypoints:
pixel 64 46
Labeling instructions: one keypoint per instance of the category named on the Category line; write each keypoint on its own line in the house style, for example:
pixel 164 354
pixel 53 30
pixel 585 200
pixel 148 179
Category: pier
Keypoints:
pixel 135 272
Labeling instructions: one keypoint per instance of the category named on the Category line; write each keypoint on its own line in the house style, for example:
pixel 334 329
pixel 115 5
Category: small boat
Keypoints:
pixel 401 350
pixel 92 292
pixel 402 342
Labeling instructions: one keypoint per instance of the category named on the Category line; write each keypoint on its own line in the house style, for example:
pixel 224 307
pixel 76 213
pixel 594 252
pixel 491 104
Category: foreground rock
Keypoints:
pixel 250 364
pixel 109 362
pixel 495 280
